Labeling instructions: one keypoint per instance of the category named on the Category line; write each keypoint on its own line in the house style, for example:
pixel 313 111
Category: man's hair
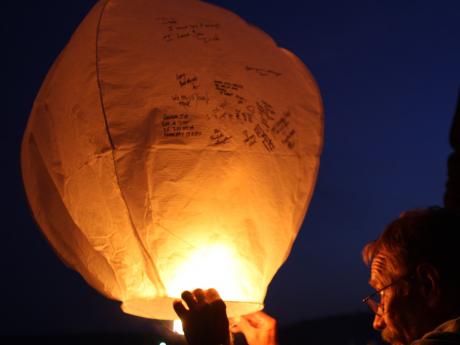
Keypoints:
pixel 422 236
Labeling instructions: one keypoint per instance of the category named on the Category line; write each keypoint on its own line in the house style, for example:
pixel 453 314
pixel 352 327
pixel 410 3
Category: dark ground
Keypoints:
pixel 350 329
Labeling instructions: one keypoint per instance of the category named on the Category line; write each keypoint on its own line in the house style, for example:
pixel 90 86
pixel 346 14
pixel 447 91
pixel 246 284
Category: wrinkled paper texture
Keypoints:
pixel 169 132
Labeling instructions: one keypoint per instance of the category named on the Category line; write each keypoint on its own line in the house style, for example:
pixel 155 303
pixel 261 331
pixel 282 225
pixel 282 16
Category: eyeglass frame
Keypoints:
pixel 372 303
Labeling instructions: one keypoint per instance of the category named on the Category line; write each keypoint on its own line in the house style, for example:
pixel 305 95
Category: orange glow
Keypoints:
pixel 213 266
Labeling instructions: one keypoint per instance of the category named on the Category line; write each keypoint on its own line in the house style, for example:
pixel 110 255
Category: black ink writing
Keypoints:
pixel 202 31
pixel 225 111
pixel 266 113
pixel 226 88
pixel 289 139
pixel 184 79
pixel 282 124
pixel 240 99
pixel 167 20
pixel 219 138
pixel 282 128
pixel 263 72
pixel 266 140
pixel 178 125
pixel 187 100
pixel 249 139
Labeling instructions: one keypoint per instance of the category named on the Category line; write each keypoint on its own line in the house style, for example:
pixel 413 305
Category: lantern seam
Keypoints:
pixel 98 77
pixel 148 260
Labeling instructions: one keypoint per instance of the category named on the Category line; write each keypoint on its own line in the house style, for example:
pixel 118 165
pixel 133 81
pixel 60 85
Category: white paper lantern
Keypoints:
pixel 173 146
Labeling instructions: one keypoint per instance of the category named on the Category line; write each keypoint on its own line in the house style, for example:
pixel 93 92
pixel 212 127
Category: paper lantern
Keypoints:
pixel 172 146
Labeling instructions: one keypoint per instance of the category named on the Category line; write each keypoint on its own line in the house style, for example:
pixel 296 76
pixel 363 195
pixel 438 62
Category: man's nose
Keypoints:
pixel 379 323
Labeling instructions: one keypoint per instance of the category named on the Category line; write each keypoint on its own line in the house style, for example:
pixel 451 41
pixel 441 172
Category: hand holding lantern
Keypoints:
pixel 258 328
pixel 205 321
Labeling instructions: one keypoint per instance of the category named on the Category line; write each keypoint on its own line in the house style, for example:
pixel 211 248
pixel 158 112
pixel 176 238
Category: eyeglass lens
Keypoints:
pixel 373 302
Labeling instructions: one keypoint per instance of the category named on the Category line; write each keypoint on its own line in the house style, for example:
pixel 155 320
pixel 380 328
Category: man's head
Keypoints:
pixel 416 261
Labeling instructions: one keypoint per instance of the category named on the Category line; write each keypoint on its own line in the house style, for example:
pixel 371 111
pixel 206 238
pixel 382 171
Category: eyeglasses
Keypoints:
pixel 374 300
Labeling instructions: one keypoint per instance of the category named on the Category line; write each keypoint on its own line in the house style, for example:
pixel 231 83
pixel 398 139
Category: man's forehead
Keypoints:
pixel 378 269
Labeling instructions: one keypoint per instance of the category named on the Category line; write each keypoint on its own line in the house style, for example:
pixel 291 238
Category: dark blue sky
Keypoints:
pixel 388 71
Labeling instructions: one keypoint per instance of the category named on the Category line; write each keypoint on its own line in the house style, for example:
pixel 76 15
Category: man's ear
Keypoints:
pixel 427 277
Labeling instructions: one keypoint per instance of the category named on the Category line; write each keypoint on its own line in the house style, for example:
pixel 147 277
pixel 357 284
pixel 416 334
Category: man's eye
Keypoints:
pixel 377 297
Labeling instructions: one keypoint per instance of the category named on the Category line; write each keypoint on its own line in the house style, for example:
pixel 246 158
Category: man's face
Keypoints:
pixel 398 315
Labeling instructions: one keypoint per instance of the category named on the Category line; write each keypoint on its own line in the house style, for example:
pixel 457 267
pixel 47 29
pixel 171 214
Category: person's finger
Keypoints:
pixel 234 320
pixel 179 308
pixel 219 306
pixel 219 310
pixel 242 326
pixel 219 315
pixel 266 320
pixel 235 327
pixel 189 299
pixel 252 320
pixel 211 295
pixel 260 320
pixel 199 295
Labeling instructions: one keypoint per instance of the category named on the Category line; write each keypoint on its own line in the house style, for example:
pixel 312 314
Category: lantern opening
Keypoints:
pixel 162 308
pixel 215 266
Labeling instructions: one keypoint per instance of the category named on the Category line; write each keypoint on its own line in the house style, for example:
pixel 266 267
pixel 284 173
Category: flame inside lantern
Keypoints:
pixel 214 266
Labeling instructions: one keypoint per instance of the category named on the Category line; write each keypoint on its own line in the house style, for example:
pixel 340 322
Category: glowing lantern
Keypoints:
pixel 172 146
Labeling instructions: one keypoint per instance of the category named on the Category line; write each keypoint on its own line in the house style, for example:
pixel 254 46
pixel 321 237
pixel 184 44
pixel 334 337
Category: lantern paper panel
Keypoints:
pixel 173 146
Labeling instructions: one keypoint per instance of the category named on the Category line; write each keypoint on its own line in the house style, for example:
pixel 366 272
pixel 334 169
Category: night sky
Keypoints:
pixel 388 71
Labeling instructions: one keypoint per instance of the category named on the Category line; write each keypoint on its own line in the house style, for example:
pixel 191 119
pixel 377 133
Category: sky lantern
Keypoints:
pixel 172 146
